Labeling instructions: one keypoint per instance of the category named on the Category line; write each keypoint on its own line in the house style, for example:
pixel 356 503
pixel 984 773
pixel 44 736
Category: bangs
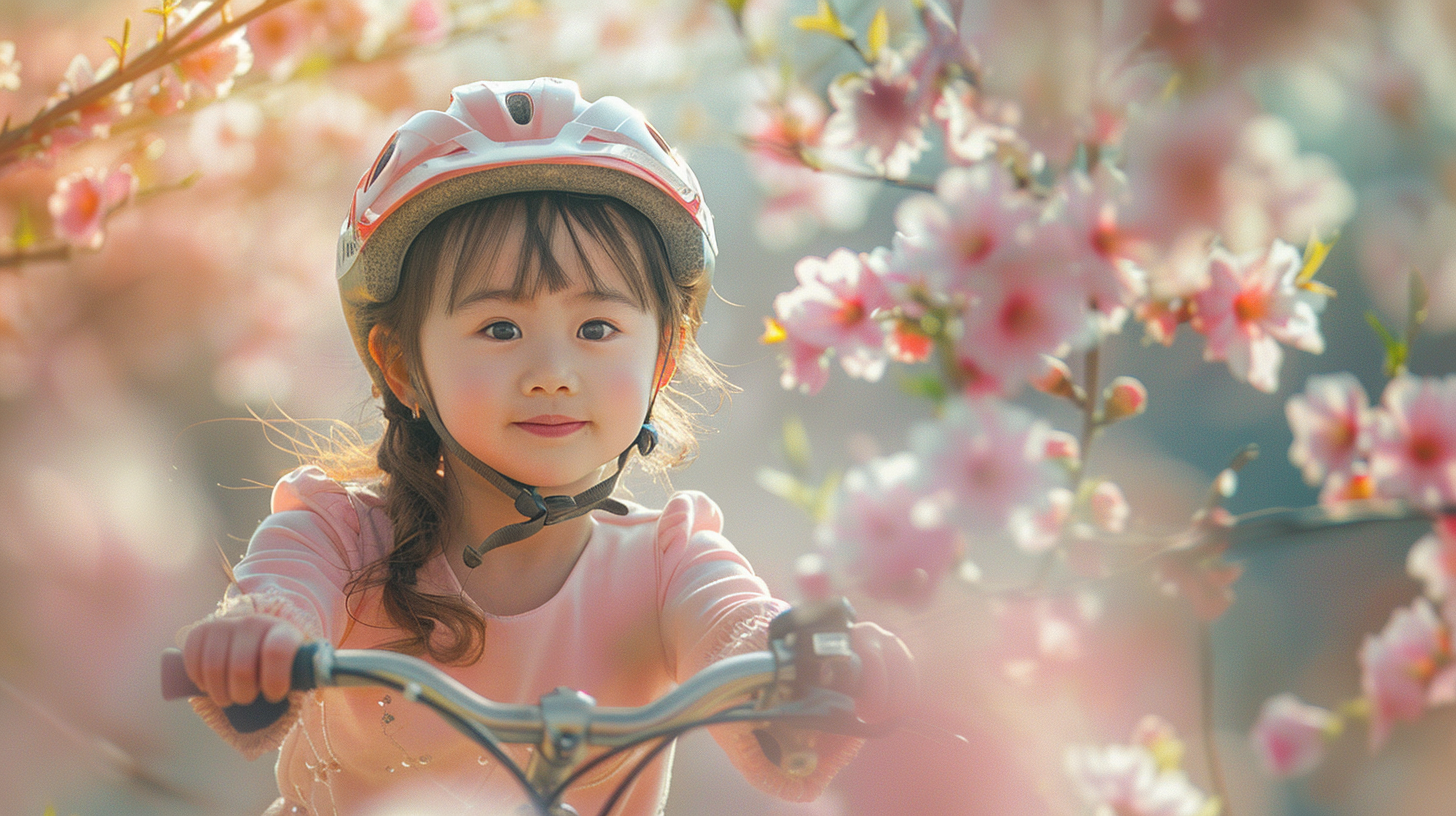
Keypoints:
pixel 512 244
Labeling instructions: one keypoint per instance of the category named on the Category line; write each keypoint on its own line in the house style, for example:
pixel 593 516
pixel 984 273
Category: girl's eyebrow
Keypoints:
pixel 600 294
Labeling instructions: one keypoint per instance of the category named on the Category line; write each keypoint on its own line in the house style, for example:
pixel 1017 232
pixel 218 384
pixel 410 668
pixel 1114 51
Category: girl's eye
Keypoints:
pixel 502 330
pixel 596 330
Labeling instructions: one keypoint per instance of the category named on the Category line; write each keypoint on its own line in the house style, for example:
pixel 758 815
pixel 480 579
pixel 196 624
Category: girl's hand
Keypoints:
pixel 889 684
pixel 232 659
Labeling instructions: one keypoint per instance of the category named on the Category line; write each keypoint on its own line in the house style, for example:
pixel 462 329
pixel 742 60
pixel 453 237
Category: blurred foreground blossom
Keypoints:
pixel 988 459
pixel 800 199
pixel 1290 735
pixel 82 201
pixel 1141 779
pixel 1432 561
pixel 1413 456
pixel 893 539
pixel 1332 425
pixel 1406 668
pixel 1253 304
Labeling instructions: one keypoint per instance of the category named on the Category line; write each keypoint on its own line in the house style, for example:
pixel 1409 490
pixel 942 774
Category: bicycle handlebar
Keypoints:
pixel 806 676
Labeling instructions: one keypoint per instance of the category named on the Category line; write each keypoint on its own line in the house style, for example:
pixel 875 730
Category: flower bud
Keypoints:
pixel 1056 379
pixel 1124 397
pixel 1109 507
pixel 1062 447
pixel 1290 735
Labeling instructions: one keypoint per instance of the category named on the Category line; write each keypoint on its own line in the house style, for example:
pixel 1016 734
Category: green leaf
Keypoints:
pixel 1396 350
pixel 1420 300
pixel 879 34
pixel 929 386
pixel 796 445
pixel 736 6
pixel 825 20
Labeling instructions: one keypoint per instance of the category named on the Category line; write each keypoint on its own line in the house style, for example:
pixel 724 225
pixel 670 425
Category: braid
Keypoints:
pixel 409 456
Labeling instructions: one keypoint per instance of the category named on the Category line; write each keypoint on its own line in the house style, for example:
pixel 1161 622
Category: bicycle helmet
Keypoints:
pixel 497 138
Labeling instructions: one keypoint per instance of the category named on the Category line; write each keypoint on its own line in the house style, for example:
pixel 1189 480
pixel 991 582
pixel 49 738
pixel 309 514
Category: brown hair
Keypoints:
pixel 464 241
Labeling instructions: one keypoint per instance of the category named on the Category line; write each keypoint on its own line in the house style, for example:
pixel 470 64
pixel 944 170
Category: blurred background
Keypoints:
pixel 132 464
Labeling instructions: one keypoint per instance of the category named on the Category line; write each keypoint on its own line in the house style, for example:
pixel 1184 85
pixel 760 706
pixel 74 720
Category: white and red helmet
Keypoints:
pixel 508 137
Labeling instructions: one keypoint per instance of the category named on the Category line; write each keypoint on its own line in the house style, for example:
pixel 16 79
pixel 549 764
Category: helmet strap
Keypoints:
pixel 543 511
pixel 540 511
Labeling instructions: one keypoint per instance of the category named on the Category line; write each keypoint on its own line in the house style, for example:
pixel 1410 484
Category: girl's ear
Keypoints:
pixel 390 359
pixel 667 357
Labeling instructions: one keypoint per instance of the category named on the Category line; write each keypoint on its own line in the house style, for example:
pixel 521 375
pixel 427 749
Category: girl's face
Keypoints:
pixel 547 388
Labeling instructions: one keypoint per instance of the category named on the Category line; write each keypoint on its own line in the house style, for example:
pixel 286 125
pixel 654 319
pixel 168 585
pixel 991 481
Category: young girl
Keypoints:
pixel 524 275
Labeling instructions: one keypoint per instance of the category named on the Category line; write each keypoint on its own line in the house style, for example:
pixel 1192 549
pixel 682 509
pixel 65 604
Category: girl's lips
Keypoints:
pixel 552 426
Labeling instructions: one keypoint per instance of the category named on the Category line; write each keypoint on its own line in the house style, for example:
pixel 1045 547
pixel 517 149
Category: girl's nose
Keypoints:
pixel 551 373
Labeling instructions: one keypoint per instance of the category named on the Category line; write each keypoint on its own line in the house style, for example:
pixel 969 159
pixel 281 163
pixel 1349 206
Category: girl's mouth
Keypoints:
pixel 551 425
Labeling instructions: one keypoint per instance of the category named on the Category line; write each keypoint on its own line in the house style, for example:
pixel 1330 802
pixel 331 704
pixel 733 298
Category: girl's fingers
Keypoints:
pixel 215 648
pixel 242 670
pixel 889 681
pixel 276 660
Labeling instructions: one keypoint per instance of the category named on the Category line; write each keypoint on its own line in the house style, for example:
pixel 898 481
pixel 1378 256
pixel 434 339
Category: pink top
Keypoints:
pixel 654 597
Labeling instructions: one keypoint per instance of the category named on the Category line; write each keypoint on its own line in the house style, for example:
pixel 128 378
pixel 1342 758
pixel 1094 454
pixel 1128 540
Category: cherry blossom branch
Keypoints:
pixel 168 49
pixel 799 152
pixel 1210 746
pixel 19 258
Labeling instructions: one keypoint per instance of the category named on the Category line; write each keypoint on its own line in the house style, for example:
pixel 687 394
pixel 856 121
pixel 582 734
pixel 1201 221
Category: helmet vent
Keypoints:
pixel 520 107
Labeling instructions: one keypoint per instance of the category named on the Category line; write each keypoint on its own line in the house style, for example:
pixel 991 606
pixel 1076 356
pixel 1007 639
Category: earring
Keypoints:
pixel 417 411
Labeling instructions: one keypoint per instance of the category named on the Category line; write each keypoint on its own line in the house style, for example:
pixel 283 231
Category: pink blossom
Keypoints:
pixel 950 242
pixel 427 21
pixel 1103 248
pixel 975 126
pixel 1432 561
pixel 1275 193
pixel 1290 735
pixel 987 459
pixel 96 118
pixel 944 55
pixel 883 112
pixel 833 308
pixel 1127 780
pixel 1332 423
pixel 1405 668
pixel 167 96
pixel 1177 162
pixel 1027 308
pixel 82 201
pixel 222 136
pixel 1251 305
pixel 1414 451
pixel 278 39
pixel 893 538
pixel 212 69
pixel 799 199
pixel 1032 633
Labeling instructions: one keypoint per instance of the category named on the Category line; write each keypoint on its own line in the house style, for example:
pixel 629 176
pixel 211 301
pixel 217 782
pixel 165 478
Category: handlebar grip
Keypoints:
pixel 177 685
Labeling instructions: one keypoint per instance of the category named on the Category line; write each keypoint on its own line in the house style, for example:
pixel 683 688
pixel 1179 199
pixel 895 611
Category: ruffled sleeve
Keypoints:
pixel 298 563
pixel 714 607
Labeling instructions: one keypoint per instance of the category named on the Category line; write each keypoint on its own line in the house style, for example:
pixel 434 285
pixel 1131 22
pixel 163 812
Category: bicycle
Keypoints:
pixel 805 677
